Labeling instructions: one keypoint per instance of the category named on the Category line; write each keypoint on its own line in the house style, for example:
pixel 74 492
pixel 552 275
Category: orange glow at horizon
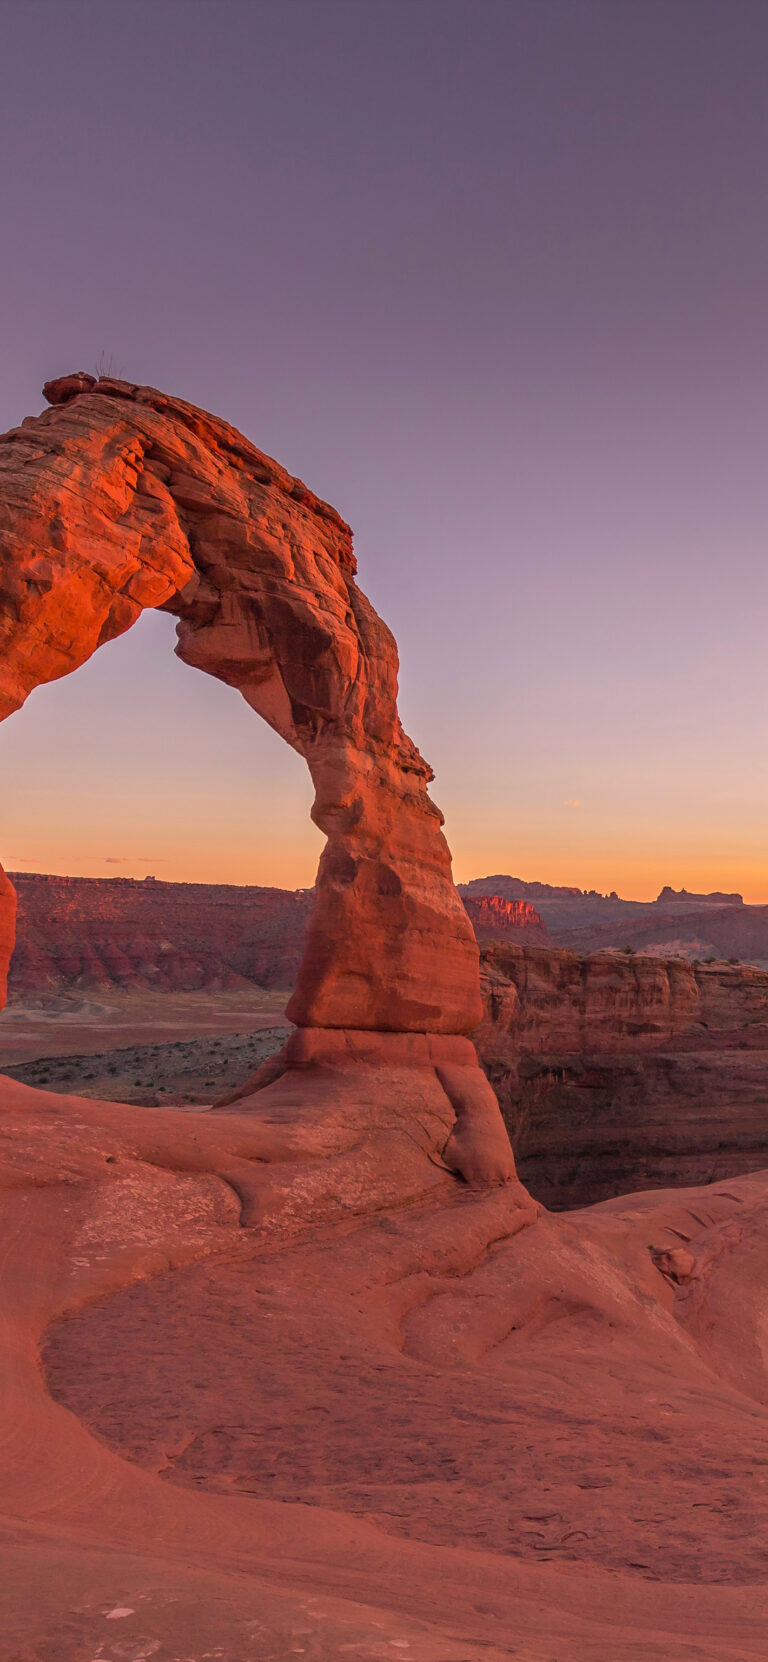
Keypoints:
pixel 287 857
pixel 136 766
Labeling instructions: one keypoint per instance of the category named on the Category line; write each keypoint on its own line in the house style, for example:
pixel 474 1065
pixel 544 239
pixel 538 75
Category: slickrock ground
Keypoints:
pixel 421 1421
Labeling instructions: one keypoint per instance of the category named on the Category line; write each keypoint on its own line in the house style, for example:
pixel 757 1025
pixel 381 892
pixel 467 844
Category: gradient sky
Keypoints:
pixel 492 276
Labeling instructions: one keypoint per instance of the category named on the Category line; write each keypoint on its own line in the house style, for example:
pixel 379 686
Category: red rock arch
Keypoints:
pixel 119 498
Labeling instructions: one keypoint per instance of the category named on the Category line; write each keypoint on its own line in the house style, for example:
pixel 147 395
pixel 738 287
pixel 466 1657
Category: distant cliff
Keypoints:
pixel 515 888
pixel 493 919
pixel 684 897
pixel 677 924
pixel 91 932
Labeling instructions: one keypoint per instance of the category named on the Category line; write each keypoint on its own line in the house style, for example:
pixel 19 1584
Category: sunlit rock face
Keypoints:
pixel 495 919
pixel 119 498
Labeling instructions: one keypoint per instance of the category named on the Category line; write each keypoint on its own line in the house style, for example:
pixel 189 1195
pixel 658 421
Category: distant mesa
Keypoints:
pixel 515 888
pixel 670 896
pixel 679 923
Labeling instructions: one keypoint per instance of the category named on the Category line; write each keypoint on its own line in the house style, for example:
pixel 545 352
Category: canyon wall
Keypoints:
pixel 622 1073
pixel 90 933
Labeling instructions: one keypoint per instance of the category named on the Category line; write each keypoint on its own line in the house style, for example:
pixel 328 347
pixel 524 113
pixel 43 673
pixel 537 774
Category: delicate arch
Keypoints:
pixel 118 498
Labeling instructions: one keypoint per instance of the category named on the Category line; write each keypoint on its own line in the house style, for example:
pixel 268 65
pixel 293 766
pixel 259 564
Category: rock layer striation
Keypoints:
pixel 620 1073
pixel 93 933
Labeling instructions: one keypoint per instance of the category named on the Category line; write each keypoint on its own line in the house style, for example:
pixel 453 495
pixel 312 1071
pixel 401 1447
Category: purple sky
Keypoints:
pixel 493 278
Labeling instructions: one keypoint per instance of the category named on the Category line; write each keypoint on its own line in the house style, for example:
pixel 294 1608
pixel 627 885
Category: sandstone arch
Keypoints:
pixel 119 498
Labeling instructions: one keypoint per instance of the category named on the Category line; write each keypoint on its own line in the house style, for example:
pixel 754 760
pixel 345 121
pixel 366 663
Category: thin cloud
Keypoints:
pixel 115 860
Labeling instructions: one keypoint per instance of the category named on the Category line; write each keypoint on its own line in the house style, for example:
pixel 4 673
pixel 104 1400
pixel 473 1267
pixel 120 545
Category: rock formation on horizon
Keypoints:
pixel 516 888
pixel 677 923
pixel 668 894
pixel 494 918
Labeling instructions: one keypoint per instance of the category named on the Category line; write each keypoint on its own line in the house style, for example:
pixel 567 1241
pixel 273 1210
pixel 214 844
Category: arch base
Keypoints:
pixel 388 1115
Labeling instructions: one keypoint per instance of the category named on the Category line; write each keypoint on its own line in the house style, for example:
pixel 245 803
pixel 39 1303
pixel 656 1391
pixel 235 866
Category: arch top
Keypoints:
pixel 119 498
